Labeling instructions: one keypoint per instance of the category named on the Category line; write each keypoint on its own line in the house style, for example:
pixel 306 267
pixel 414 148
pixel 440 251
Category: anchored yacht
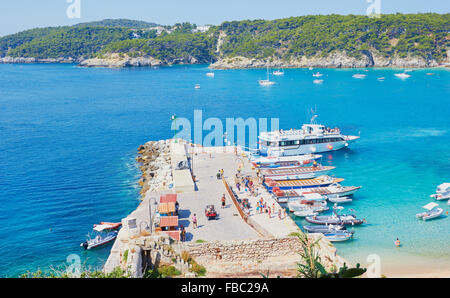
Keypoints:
pixel 311 138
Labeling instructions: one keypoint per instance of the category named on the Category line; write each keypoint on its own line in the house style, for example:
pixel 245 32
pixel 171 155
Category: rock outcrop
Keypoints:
pixel 117 61
pixel 334 60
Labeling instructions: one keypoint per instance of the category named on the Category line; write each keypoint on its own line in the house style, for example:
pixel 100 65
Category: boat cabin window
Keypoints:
pixel 290 143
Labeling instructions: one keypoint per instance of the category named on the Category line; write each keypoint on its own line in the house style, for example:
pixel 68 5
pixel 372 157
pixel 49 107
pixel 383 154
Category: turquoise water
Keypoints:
pixel 69 137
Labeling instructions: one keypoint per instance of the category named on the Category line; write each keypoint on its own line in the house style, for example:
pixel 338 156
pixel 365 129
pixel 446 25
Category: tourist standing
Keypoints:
pixel 269 211
pixel 223 201
pixel 194 221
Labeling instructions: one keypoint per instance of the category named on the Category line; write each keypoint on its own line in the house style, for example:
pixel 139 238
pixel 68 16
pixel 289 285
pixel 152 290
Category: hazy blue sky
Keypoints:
pixel 17 15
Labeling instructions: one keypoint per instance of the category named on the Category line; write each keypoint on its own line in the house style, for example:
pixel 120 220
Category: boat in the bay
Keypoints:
pixel 442 192
pixel 433 211
pixel 403 75
pixel 282 161
pixel 278 73
pixel 266 82
pixel 197 86
pixel 313 202
pixel 317 75
pixel 321 181
pixel 333 190
pixel 311 138
pixel 103 236
pixel 317 81
pixel 335 218
pixel 359 76
pixel 324 228
pixel 296 172
pixel 210 74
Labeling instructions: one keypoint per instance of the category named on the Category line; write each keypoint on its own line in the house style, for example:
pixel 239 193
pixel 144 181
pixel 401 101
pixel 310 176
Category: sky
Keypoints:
pixel 18 15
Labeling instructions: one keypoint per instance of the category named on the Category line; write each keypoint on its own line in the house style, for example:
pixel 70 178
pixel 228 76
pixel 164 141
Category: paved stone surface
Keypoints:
pixel 229 225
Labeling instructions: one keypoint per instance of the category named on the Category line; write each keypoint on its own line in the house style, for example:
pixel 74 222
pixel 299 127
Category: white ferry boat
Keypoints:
pixel 311 138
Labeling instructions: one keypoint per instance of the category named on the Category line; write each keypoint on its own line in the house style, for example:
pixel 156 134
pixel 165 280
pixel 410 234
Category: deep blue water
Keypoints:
pixel 69 137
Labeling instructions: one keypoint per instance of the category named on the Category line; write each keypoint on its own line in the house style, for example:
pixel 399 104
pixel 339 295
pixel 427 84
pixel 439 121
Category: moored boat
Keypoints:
pixel 296 172
pixel 433 211
pixel 109 225
pixel 284 196
pixel 324 229
pixel 321 181
pixel 283 161
pixel 313 202
pixel 99 239
pixel 339 200
pixel 338 236
pixel 335 218
pixel 359 76
pixel 442 192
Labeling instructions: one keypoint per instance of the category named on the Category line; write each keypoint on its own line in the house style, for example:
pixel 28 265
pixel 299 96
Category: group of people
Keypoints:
pixel 246 183
pixel 220 174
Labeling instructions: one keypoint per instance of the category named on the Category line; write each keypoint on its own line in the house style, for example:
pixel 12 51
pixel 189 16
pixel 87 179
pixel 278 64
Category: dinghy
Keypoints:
pixel 433 211
pixel 338 236
pixel 305 212
pixel 100 239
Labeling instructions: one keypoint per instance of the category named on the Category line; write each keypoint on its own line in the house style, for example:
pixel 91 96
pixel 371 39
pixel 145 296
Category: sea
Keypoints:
pixel 69 138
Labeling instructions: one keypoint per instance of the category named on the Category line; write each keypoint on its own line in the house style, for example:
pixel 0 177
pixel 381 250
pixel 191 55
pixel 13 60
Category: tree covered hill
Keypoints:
pixel 425 36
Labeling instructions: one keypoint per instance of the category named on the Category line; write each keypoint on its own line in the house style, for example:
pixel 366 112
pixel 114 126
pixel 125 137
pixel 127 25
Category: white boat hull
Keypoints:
pixel 307 175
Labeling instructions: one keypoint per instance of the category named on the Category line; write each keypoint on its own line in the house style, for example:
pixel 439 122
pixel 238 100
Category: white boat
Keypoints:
pixel 317 81
pixel 305 212
pixel 197 86
pixel 101 237
pixel 359 76
pixel 337 199
pixel 381 78
pixel 338 236
pixel 210 74
pixel 433 211
pixel 278 73
pixel 283 161
pixel 317 75
pixel 442 192
pixel 312 202
pixel 334 190
pixel 403 75
pixel 266 82
pixel 311 138
pixel 310 68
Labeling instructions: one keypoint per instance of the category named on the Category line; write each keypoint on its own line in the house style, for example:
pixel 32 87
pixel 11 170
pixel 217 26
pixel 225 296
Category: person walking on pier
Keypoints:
pixel 194 221
pixel 269 211
pixel 223 201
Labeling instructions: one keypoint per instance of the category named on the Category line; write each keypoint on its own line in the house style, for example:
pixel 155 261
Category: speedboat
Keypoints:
pixel 310 139
pixel 197 86
pixel 403 75
pixel 278 73
pixel 335 219
pixel 433 211
pixel 442 192
pixel 337 199
pixel 324 229
pixel 318 81
pixel 296 172
pixel 317 75
pixel 101 238
pixel 381 79
pixel 338 236
pixel 210 74
pixel 359 76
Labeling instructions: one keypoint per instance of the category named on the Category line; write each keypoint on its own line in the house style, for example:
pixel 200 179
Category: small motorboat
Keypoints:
pixel 403 75
pixel 305 212
pixel 335 219
pixel 210 74
pixel 442 192
pixel 324 229
pixel 317 75
pixel 310 201
pixel 337 199
pixel 111 225
pixel 338 236
pixel 210 212
pixel 278 73
pixel 433 211
pixel 197 86
pixel 359 76
pixel 317 81
pixel 100 238
pixel 381 78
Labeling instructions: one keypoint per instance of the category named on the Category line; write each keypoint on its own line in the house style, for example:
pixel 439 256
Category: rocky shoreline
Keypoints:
pixel 334 60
